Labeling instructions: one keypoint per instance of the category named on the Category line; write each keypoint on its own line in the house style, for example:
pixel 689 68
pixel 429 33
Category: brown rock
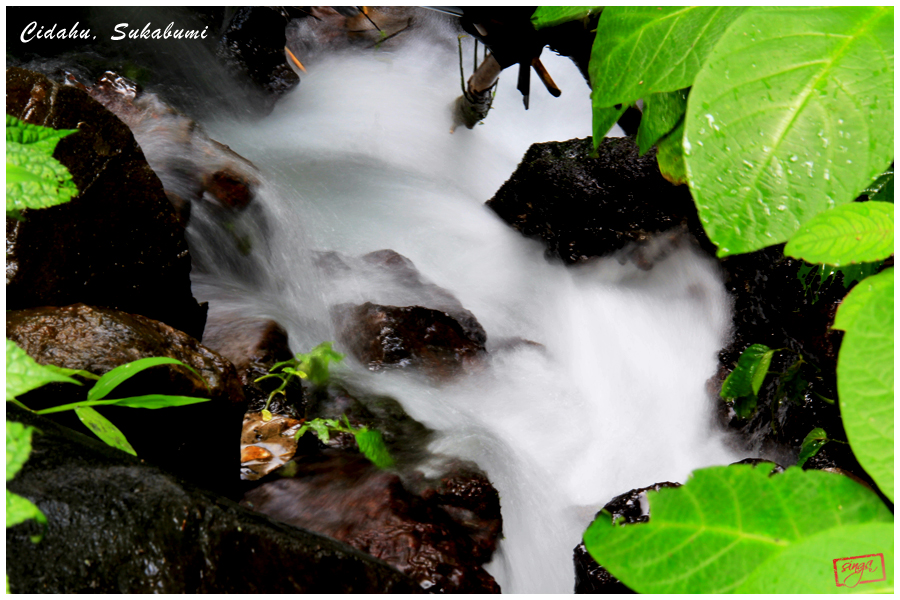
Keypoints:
pixel 407 336
pixel 118 243
pixel 344 496
pixel 197 441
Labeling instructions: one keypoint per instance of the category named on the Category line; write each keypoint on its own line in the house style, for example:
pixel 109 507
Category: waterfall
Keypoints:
pixel 359 158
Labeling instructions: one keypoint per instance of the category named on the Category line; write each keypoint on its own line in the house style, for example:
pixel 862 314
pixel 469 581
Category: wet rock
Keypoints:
pixel 118 525
pixel 97 340
pixel 774 305
pixel 407 337
pixel 582 207
pixel 344 496
pixel 253 47
pixel 633 507
pixel 118 243
pixel 253 346
pixel 191 166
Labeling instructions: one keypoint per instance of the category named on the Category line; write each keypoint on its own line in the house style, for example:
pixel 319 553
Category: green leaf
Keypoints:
pixel 603 120
pixel 643 50
pixel 18 447
pixel 853 233
pixel 808 567
pixel 865 380
pixel 19 510
pixel 792 114
pixel 34 179
pixel 314 364
pixel 371 444
pixel 709 535
pixel 662 112
pixel 670 156
pixel 103 429
pixel 150 401
pixel 859 296
pixel 550 16
pixel 747 378
pixel 811 445
pixel 112 379
pixel 23 374
pixel 882 189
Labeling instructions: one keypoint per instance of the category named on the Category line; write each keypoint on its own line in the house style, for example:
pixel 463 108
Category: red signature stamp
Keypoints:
pixel 854 570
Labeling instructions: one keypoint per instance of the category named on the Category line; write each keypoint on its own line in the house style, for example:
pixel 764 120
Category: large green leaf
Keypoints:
pixel 23 374
pixel 710 534
pixel 853 233
pixel 859 296
pixel 112 379
pixel 104 429
pixel 603 120
pixel 19 510
pixel 670 156
pixel 550 16
pixel 643 50
pixel 792 114
pixel 18 447
pixel 808 567
pixel 865 380
pixel 662 112
pixel 34 179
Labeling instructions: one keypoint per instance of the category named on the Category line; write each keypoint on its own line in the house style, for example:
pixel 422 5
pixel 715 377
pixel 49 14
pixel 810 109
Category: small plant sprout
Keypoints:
pixel 312 366
pixel 370 441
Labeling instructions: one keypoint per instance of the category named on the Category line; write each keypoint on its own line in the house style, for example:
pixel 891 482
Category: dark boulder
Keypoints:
pixel 346 497
pixel 582 207
pixel 779 303
pixel 118 243
pixel 117 525
pixel 98 340
pixel 591 578
pixel 407 336
pixel 253 48
pixel 253 346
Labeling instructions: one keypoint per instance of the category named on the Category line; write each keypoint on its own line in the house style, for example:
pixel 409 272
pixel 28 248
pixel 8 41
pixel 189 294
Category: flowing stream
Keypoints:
pixel 359 158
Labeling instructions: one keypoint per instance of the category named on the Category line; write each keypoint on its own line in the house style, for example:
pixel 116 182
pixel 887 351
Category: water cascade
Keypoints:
pixel 359 158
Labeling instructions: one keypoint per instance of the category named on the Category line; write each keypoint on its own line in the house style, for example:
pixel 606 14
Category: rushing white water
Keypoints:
pixel 360 158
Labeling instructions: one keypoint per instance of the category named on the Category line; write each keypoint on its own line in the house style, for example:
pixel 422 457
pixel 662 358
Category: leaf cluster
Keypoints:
pixel 24 374
pixel 312 366
pixel 34 179
pixel 370 441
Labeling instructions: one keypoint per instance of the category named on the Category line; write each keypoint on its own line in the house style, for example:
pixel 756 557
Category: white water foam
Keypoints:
pixel 360 158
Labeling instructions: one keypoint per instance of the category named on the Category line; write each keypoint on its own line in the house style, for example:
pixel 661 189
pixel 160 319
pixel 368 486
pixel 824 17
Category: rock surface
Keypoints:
pixel 190 440
pixel 344 496
pixel 632 506
pixel 118 243
pixel 117 525
pixel 407 336
pixel 583 207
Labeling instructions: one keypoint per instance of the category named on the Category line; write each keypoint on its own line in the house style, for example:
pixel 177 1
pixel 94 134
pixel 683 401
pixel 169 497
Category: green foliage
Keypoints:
pixel 882 189
pixel 23 374
pixel 34 179
pixel 549 16
pixel 370 441
pixel 853 233
pixel 815 277
pixel 642 50
pixel 803 568
pixel 865 376
pixel 312 366
pixel 670 156
pixel 604 119
pixel 662 112
pixel 743 384
pixel 811 445
pixel 18 449
pixel 791 115
pixel 717 532
pixel 103 429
